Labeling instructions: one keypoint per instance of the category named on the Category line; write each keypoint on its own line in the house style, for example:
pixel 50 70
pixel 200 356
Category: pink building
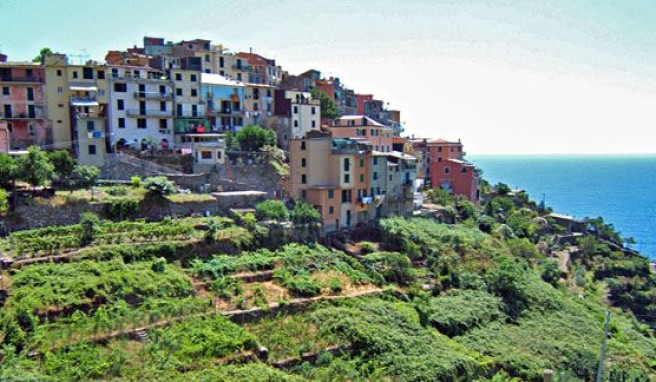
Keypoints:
pixel 22 104
pixel 447 169
pixel 363 99
pixel 361 128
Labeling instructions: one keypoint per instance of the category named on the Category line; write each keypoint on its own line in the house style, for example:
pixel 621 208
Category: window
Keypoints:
pixel 120 88
pixel 87 73
pixel 375 176
pixel 114 72
pixel 206 155
pixel 391 177
pixel 162 106
pixel 194 92
pixel 439 149
pixel 303 179
pixel 303 145
pixel 347 178
pixel 464 169
pixel 59 73
pixel 314 124
pixel 295 123
pixel 447 170
pixel 207 58
pixel 295 109
pixel 361 162
pixel 5 90
pixel 162 124
pixel 121 123
pixel 347 164
pixel 90 127
pixel 331 194
pixel 74 74
pixel 361 178
pixel 178 76
pixel 141 123
pixel 92 149
pixel 222 73
pixel 30 94
pixel 346 196
pixel 221 63
pixel 303 194
pixel 178 92
pixel 238 76
pixel 29 73
pixel 193 78
pixel 120 104
pixel 313 110
pixel 218 155
pixel 375 161
pixel 331 210
pixel 101 74
pixel 303 162
pixel 10 127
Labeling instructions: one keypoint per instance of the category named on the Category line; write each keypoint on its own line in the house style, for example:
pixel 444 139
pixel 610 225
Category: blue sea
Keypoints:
pixel 619 188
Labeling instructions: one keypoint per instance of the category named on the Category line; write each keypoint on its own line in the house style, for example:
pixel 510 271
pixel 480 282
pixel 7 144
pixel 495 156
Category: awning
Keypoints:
pixel 84 102
pixel 84 88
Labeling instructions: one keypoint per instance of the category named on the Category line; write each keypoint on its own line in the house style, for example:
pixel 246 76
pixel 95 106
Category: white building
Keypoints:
pixel 141 107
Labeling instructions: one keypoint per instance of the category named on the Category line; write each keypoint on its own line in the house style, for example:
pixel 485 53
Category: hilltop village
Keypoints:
pixel 182 103
pixel 185 213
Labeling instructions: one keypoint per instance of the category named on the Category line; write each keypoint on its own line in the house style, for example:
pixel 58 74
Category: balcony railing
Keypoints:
pixel 149 113
pixel 153 95
pixel 191 114
pixel 38 114
pixel 246 68
pixel 33 79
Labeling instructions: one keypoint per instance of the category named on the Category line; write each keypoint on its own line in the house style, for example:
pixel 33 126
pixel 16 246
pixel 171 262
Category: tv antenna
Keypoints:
pixel 82 57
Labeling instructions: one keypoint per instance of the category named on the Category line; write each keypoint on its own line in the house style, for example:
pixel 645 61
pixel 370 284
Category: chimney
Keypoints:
pixel 250 50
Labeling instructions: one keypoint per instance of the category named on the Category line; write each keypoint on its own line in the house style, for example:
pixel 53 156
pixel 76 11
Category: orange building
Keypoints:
pixel 364 129
pixel 448 169
pixel 333 174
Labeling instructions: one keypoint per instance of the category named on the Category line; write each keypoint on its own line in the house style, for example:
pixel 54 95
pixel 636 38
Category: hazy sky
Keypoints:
pixel 558 76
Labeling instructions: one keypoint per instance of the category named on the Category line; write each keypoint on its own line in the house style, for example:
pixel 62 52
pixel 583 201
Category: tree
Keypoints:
pixel 305 213
pixel 254 137
pixel 89 224
pixel 87 176
pixel 8 170
pixel 328 108
pixel 272 209
pixel 159 186
pixel 3 200
pixel 42 52
pixel 64 165
pixel 35 167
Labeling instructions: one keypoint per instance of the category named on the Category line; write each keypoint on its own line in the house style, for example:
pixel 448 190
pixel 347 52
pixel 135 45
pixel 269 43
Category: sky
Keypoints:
pixel 505 77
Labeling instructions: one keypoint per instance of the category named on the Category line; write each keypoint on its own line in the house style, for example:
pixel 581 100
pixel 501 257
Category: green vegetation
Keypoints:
pixel 159 186
pixel 328 108
pixel 253 138
pixel 491 293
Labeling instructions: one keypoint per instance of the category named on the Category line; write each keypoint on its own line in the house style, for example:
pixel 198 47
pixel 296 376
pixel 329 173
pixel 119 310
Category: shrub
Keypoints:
pixel 159 265
pixel 302 285
pixel 89 224
pixel 550 271
pixel 3 200
pixel 272 209
pixel 118 191
pixel 159 186
pixel 135 181
pixel 336 285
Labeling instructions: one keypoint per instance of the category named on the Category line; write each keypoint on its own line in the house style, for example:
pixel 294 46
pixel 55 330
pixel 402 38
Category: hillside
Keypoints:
pixel 498 292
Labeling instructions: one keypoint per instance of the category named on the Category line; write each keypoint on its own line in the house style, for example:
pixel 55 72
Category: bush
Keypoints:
pixel 272 209
pixel 135 181
pixel 336 285
pixel 159 265
pixel 3 200
pixel 159 186
pixel 118 191
pixel 89 224
pixel 550 271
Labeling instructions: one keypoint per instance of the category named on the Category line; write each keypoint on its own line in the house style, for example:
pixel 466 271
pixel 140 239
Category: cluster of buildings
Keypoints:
pixel 182 98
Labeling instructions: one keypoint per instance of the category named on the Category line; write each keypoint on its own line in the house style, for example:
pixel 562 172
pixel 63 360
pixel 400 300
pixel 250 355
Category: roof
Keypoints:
pixel 360 117
pixel 443 141
pixel 399 140
pixel 217 79
pixel 458 161
pixel 394 154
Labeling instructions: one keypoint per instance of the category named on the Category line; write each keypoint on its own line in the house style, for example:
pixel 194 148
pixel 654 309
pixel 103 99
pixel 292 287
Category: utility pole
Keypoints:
pixel 600 371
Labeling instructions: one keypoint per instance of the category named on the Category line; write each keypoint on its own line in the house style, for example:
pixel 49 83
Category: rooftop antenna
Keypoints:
pixel 83 56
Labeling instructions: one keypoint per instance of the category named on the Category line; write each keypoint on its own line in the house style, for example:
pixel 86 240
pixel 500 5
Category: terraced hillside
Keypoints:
pixel 209 299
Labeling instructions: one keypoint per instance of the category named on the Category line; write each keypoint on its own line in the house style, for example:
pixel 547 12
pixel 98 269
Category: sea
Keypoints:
pixel 619 188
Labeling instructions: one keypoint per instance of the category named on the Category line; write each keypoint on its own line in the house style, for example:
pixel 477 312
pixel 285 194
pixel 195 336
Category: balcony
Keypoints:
pixel 191 114
pixel 227 112
pixel 16 79
pixel 245 68
pixel 150 113
pixel 37 114
pixel 153 95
